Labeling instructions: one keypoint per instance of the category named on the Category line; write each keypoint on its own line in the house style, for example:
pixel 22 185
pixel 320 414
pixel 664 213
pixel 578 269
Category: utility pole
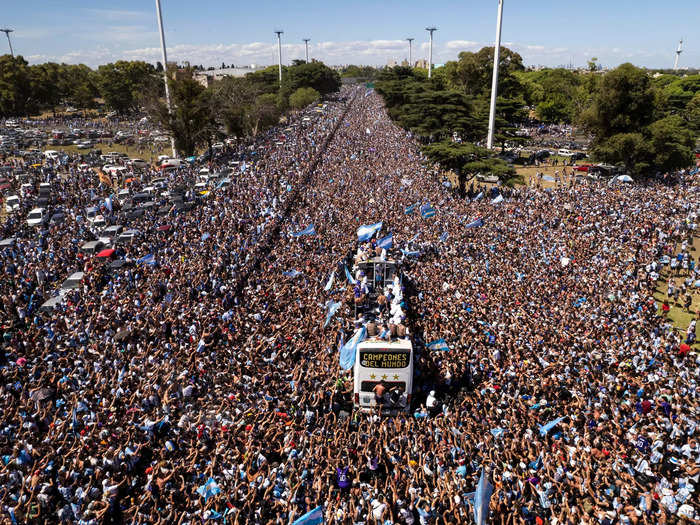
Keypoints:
pixel 675 63
pixel 165 71
pixel 430 54
pixel 279 32
pixel 410 51
pixel 306 43
pixel 7 32
pixel 494 79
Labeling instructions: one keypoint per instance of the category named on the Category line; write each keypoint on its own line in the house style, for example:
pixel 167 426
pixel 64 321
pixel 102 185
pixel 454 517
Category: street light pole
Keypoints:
pixel 7 32
pixel 165 71
pixel 494 79
pixel 410 51
pixel 430 55
pixel 279 50
pixel 306 42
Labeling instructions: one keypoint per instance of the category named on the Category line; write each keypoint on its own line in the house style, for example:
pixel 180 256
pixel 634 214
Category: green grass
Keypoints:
pixel 679 316
pixel 131 151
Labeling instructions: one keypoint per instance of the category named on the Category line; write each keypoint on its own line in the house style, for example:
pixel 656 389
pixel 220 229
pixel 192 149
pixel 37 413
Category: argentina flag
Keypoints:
pixel 475 223
pixel 497 199
pixel 386 242
pixel 365 232
pixel 347 352
pixel 313 517
pixel 439 344
pixel 309 230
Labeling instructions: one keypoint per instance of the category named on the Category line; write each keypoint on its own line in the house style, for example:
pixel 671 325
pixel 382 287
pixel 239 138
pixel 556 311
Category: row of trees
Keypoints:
pixel 637 120
pixel 241 106
pixel 28 90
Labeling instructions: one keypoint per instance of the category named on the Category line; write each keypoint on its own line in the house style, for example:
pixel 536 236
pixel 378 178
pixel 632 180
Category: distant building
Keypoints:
pixel 391 63
pixel 422 63
pixel 206 78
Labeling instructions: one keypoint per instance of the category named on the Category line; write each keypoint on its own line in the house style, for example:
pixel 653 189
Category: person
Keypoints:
pixel 379 392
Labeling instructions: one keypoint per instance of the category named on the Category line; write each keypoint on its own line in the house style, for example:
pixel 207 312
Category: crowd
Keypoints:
pixel 205 387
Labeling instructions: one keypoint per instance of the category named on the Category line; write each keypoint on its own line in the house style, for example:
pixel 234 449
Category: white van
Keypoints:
pixel 565 153
pixel 12 204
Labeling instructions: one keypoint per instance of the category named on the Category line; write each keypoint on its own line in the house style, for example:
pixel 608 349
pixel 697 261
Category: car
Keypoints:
pixel 175 163
pixel 563 152
pixel 128 236
pixel 578 156
pixel 92 247
pixel 37 217
pixel 58 217
pixel 73 281
pixel 138 163
pixel 110 233
pixel 11 204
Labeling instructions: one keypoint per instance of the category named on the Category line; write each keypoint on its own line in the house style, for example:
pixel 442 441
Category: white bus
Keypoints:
pixel 386 357
pixel 389 363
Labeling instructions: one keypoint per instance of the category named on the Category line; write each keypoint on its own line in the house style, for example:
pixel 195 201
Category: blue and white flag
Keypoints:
pixel 482 498
pixel 480 196
pixel 243 167
pixel 209 489
pixel 313 517
pixel 309 230
pixel 439 344
pixel 347 352
pixel 149 259
pixel 497 431
pixel 329 284
pixel 410 253
pixel 549 426
pixel 291 273
pixel 349 277
pixel 548 178
pixel 386 242
pixel 475 223
pixel 332 309
pixel 444 236
pixel 427 211
pixel 108 204
pixel 409 209
pixel 497 199
pixel 366 231
pixel 205 236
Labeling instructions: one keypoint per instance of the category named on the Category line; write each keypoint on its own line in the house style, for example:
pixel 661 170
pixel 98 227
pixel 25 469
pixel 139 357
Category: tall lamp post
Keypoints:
pixel 7 32
pixel 430 54
pixel 410 51
pixel 165 70
pixel 306 43
pixel 279 32
pixel 494 79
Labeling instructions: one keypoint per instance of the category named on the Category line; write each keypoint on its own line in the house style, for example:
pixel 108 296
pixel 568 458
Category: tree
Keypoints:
pixel 122 84
pixel 302 97
pixel 626 130
pixel 593 64
pixel 691 114
pixel 15 87
pixel 472 73
pixel 466 159
pixel 314 75
pixel 192 122
pixel 623 103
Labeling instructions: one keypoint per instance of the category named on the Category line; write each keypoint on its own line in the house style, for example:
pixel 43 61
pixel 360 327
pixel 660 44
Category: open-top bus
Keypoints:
pixel 383 370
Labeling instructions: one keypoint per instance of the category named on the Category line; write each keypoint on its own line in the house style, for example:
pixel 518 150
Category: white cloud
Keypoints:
pixel 373 52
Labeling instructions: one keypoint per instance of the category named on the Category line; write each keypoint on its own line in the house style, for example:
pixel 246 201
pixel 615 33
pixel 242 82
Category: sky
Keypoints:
pixel 209 32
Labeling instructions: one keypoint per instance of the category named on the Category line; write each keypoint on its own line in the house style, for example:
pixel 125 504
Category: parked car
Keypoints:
pixel 37 217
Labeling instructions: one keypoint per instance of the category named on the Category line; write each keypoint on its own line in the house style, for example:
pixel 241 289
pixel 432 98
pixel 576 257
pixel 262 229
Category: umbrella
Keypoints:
pixel 164 228
pixel 108 252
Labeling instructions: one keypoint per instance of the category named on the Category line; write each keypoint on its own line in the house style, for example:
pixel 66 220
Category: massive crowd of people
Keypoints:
pixel 204 386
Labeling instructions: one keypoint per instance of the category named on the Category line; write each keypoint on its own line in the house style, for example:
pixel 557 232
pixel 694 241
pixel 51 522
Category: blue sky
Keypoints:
pixel 544 32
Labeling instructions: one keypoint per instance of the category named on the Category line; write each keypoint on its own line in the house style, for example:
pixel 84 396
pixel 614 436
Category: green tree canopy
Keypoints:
pixel 122 84
pixel 302 97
